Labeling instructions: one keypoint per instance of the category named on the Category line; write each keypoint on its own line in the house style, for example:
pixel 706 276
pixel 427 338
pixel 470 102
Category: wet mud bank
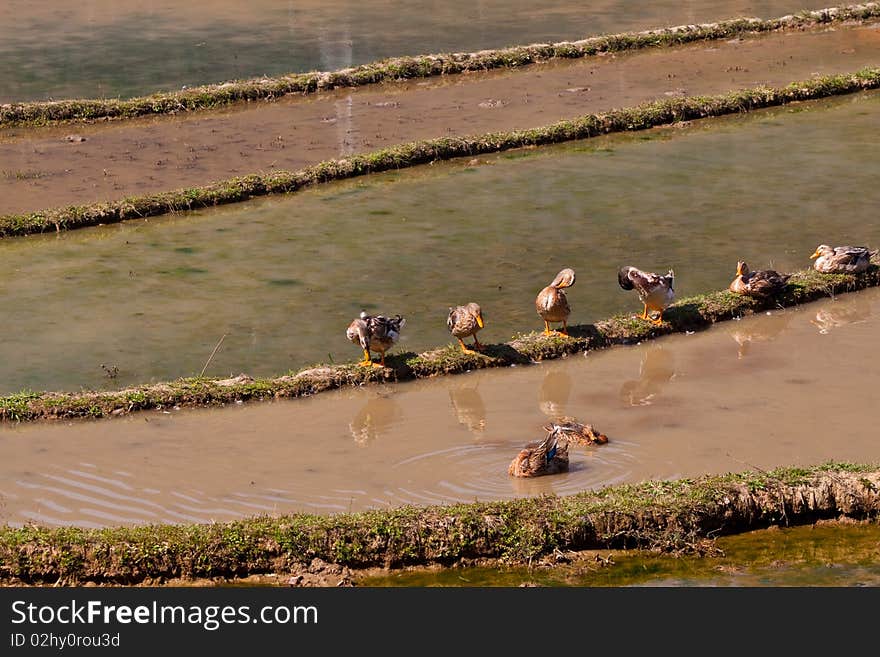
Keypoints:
pixel 670 516
pixel 689 314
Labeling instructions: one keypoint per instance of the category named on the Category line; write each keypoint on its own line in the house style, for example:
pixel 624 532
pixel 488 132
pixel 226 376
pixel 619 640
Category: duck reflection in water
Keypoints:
pixel 655 371
pixel 555 391
pixel 839 313
pixel 469 408
pixel 758 329
pixel 374 418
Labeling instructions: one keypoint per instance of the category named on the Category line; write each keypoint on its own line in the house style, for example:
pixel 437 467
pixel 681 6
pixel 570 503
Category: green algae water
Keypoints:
pixel 809 556
pixel 279 279
pixel 125 48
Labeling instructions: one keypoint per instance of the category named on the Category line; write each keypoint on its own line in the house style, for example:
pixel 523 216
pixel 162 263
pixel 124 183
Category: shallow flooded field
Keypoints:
pixel 790 388
pixel 108 48
pixel 40 167
pixel 272 284
pixel 282 277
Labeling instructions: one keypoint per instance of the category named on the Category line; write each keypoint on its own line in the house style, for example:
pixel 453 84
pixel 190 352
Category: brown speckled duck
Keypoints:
pixel 464 321
pixel 374 333
pixel 576 432
pixel 656 292
pixel 842 259
pixel 548 456
pixel 760 284
pixel 552 304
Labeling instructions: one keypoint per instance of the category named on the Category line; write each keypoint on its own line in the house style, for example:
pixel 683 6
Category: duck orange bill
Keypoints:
pixel 815 255
pixel 480 321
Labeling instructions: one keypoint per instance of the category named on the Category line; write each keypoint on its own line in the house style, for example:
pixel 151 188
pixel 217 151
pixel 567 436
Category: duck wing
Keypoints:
pixel 850 255
pixel 384 328
pixel 543 452
pixel 766 281
pixel 644 282
pixel 460 321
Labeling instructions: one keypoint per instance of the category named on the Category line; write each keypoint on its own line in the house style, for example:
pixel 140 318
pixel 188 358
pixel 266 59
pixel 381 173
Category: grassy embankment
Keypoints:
pixel 641 117
pixel 675 516
pixel 420 66
pixel 689 314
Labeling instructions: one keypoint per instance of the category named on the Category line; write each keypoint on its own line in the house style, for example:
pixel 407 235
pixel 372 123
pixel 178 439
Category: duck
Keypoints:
pixel 842 259
pixel 576 432
pixel 544 457
pixel 656 292
pixel 552 304
pixel 464 321
pixel 374 333
pixel 761 284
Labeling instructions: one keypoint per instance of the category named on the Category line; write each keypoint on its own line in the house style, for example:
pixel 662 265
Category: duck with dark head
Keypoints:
pixel 655 292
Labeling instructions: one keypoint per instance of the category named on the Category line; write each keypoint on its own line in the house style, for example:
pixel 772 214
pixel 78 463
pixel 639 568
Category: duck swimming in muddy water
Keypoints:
pixel 374 333
pixel 463 321
pixel 656 292
pixel 842 259
pixel 760 284
pixel 551 303
pixel 545 457
pixel 576 432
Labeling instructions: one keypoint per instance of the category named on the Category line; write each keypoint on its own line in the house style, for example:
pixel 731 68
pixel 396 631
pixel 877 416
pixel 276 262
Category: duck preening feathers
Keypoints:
pixel 375 333
pixel 576 432
pixel 552 304
pixel 656 292
pixel 548 456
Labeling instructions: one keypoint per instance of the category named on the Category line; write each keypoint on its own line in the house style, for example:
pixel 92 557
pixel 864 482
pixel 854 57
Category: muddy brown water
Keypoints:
pixel 282 277
pixel 108 48
pixel 793 387
pixel 41 169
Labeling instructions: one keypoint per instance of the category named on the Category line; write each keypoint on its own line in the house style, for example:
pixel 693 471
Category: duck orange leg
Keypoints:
pixel 367 361
pixel 547 330
pixel 464 347
pixel 644 315
pixel 477 344
pixel 564 329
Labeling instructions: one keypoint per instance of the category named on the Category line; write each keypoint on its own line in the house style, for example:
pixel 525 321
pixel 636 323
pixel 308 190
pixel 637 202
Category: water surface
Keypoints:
pixel 792 388
pixel 807 556
pixel 282 277
pixel 109 48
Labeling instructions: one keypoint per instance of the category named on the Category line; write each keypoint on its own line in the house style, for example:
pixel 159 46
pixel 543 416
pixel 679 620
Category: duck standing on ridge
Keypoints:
pixel 464 321
pixel 374 333
pixel 842 259
pixel 548 456
pixel 552 304
pixel 656 292
pixel 760 284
